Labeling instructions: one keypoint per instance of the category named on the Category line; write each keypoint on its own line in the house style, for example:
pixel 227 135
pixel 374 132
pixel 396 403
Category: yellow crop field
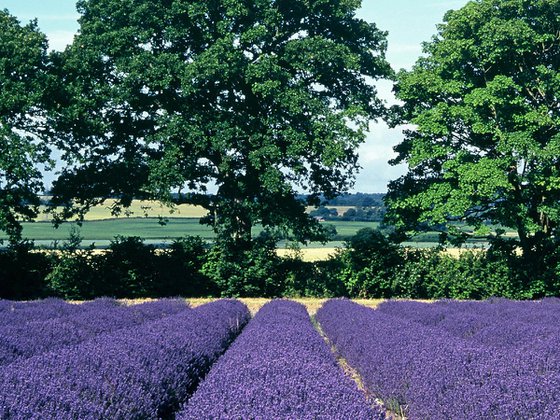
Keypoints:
pixel 309 254
pixel 139 208
pixel 312 304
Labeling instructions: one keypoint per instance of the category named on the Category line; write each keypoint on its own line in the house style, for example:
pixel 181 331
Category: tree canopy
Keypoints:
pixel 237 105
pixel 484 103
pixel 23 83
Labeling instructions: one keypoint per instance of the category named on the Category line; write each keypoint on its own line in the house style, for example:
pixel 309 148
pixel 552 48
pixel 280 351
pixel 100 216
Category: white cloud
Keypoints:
pixel 58 40
pixel 375 176
pixel 374 156
pixel 395 48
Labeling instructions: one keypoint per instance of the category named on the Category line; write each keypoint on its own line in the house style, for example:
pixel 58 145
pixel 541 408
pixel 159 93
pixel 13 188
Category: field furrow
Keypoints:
pixel 429 373
pixel 279 367
pixel 144 371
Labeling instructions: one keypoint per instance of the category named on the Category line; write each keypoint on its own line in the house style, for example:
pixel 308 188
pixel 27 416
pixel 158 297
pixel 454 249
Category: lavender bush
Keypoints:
pixel 433 374
pixel 18 313
pixel 497 322
pixel 82 323
pixel 139 372
pixel 279 367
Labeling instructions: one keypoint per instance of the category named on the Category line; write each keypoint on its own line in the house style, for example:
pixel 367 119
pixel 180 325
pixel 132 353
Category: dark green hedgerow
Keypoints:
pixel 369 266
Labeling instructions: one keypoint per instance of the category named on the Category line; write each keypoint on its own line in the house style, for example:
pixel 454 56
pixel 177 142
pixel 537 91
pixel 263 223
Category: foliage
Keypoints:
pixel 129 268
pixel 180 270
pixel 324 213
pixel 75 275
pixel 242 272
pixel 22 272
pixel 472 275
pixel 370 266
pixel 256 97
pixel 369 263
pixel 358 200
pixel 353 214
pixel 485 144
pixel 373 266
pixel 364 214
pixel 310 279
pixel 23 86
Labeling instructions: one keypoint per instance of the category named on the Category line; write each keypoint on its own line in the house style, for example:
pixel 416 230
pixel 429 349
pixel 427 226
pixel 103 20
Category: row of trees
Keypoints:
pixel 168 99
pixel 484 101
pixel 260 99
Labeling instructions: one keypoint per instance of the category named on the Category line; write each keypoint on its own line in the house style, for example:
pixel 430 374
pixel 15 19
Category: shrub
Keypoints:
pixel 22 272
pixel 251 272
pixel 75 275
pixel 129 268
pixel 369 262
pixel 180 270
pixel 372 266
pixel 310 279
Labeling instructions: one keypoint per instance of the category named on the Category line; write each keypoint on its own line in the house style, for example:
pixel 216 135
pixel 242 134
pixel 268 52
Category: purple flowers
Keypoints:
pixel 49 324
pixel 455 360
pixel 279 367
pixel 445 360
pixel 143 371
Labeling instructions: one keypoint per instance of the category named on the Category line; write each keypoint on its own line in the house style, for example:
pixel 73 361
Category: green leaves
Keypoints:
pixel 484 103
pixel 256 100
pixel 24 84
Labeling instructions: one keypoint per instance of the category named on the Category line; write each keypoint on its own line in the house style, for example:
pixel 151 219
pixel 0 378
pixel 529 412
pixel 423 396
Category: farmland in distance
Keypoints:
pixel 159 225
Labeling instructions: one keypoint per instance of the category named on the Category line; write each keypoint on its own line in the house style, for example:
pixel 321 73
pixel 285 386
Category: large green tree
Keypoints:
pixel 234 105
pixel 484 105
pixel 23 128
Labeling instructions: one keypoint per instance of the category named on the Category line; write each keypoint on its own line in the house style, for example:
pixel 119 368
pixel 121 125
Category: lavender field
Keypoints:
pixel 496 359
pixel 164 359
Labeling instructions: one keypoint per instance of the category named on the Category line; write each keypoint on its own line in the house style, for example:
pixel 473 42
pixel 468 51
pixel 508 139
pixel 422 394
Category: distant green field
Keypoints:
pixel 101 232
pixel 101 227
pixel 347 229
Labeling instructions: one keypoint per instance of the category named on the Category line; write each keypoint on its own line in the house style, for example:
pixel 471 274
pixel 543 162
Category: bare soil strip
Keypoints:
pixel 393 413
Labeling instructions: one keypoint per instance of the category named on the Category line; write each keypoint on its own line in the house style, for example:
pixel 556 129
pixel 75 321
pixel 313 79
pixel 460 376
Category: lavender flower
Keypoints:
pixel 19 313
pixel 77 325
pixel 144 371
pixel 433 373
pixel 279 367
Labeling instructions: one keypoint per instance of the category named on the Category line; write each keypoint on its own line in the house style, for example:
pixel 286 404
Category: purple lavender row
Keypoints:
pixel 141 372
pixel 93 318
pixel 546 311
pixel 19 313
pixel 5 305
pixel 14 312
pixel 433 375
pixel 540 312
pixel 279 367
pixel 498 324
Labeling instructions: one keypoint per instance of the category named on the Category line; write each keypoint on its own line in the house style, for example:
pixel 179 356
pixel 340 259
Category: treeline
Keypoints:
pixel 369 266
pixel 364 207
pixel 353 214
pixel 358 200
pixel 148 108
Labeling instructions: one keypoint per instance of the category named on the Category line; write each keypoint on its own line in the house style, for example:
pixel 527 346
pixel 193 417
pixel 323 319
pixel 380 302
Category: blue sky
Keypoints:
pixel 409 23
